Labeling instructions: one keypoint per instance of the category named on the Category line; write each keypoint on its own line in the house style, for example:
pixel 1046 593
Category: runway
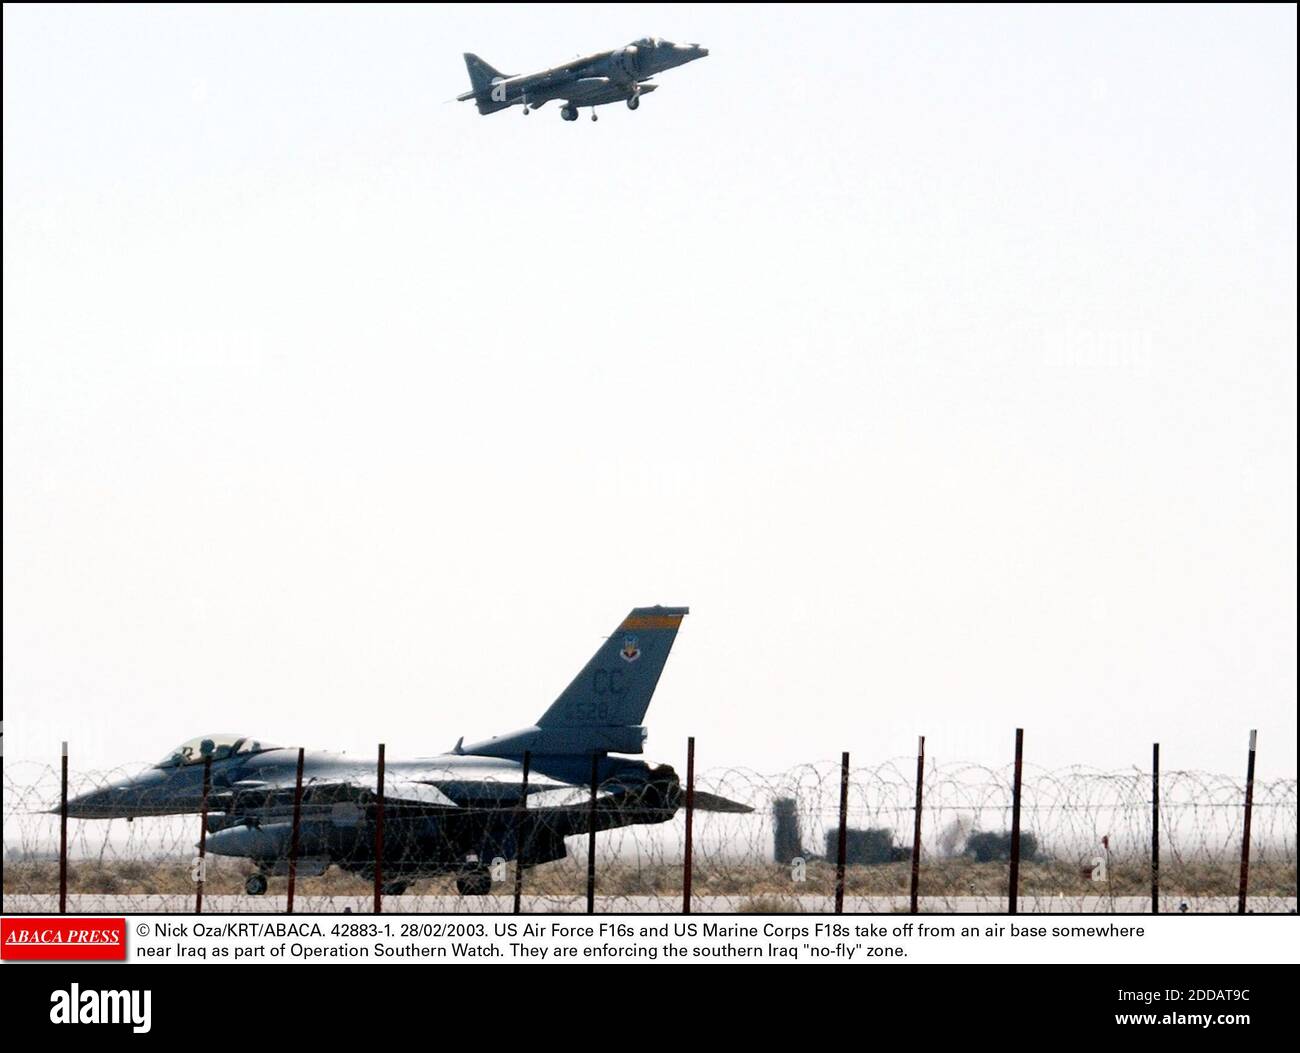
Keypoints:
pixel 92 903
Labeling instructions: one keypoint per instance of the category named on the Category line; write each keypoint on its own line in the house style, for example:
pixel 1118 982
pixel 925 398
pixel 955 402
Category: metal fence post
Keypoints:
pixel 293 839
pixel 916 827
pixel 591 837
pixel 1155 828
pixel 63 834
pixel 690 816
pixel 379 832
pixel 1013 893
pixel 520 824
pixel 1245 829
pixel 203 835
pixel 844 833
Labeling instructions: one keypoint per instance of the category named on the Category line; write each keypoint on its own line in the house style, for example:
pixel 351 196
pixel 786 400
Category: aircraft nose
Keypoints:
pixel 96 804
pixel 683 53
pixel 121 799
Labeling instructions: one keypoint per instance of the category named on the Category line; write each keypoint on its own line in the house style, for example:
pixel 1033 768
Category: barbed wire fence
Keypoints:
pixel 1085 845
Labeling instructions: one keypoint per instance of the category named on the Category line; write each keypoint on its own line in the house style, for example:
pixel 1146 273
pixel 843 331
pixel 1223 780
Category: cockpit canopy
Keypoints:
pixel 647 42
pixel 218 747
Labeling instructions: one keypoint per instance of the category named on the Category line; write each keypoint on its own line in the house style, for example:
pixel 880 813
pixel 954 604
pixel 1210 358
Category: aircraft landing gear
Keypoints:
pixel 593 113
pixel 633 102
pixel 255 885
pixel 569 113
pixel 474 883
pixel 394 888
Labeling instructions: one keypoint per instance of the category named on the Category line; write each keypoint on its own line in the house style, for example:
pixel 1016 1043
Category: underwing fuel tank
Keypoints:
pixel 273 841
pixel 258 842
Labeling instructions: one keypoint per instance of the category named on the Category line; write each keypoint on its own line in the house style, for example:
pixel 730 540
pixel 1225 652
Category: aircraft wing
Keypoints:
pixel 415 793
pixel 587 89
pixel 564 71
pixel 275 799
pixel 592 91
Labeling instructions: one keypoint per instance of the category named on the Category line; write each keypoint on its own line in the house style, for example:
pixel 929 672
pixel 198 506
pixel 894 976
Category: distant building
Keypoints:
pixel 865 847
pixel 787 838
pixel 988 846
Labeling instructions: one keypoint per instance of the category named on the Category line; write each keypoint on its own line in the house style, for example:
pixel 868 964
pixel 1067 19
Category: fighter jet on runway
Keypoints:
pixel 621 75
pixel 450 814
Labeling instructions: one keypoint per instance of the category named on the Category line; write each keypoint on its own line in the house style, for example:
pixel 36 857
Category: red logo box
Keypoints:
pixel 66 939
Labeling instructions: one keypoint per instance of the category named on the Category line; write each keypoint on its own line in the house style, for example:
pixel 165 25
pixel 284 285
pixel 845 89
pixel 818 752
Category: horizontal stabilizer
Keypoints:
pixel 711 802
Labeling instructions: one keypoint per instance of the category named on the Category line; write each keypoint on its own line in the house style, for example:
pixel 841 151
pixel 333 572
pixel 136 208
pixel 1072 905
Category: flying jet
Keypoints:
pixel 621 75
pixel 452 814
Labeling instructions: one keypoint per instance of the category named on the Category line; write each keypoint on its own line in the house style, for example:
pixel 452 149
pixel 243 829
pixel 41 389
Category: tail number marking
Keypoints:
pixel 593 711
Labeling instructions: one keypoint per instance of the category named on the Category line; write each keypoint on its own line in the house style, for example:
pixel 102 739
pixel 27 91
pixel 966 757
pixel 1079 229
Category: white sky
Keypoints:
pixel 943 361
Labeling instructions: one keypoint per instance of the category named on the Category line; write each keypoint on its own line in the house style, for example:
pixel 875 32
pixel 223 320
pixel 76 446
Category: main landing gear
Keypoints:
pixel 255 885
pixel 474 883
pixel 633 102
pixel 569 113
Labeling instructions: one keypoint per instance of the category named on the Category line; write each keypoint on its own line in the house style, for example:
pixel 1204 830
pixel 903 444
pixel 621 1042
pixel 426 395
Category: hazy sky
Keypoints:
pixel 942 360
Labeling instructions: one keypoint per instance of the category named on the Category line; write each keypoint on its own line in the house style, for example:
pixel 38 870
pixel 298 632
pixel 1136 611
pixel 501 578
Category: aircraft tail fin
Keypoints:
pixel 482 77
pixel 602 710
pixel 615 687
